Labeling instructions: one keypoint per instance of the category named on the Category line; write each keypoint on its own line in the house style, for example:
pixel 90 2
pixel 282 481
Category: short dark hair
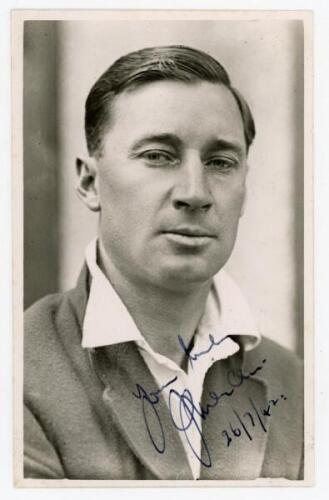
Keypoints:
pixel 174 62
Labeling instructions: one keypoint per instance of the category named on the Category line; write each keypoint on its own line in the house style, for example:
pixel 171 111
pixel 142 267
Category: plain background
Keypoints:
pixel 265 62
pixel 321 78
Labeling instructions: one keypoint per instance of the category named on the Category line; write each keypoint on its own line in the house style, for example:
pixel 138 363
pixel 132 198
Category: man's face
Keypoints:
pixel 171 183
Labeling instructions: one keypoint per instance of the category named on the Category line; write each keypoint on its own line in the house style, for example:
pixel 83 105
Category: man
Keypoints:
pixel 152 367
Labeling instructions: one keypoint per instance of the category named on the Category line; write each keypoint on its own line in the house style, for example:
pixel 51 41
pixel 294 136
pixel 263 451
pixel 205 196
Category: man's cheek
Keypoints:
pixel 238 201
pixel 230 206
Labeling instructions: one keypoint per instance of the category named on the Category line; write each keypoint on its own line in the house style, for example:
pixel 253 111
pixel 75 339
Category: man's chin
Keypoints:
pixel 188 275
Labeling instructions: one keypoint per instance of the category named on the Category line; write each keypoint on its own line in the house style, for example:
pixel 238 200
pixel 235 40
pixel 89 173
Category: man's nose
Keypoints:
pixel 191 191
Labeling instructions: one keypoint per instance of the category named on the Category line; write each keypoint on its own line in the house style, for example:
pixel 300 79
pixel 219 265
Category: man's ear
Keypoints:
pixel 87 185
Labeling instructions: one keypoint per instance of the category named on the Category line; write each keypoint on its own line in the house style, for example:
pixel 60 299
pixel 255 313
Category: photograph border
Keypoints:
pixel 17 23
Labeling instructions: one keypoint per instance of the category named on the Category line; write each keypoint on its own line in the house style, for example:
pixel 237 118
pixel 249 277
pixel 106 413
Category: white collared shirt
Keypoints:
pixel 107 322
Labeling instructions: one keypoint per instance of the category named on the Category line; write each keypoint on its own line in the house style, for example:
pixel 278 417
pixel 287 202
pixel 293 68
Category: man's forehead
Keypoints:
pixel 165 107
pixel 173 90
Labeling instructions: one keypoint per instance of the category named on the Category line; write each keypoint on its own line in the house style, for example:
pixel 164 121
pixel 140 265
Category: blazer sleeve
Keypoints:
pixel 40 458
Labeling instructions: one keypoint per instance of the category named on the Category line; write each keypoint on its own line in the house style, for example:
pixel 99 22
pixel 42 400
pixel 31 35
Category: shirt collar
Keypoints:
pixel 107 320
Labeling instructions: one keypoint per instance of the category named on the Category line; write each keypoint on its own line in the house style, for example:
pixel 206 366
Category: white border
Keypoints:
pixel 321 9
pixel 18 18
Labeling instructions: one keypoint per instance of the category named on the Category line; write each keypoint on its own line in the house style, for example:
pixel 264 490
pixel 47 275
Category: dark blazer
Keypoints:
pixel 82 420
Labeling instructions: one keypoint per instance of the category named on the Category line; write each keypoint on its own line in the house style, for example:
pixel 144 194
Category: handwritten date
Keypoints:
pixel 243 424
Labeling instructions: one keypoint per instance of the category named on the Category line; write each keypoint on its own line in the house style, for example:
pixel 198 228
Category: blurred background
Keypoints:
pixel 62 60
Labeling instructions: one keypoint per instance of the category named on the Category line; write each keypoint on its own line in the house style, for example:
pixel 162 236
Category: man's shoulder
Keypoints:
pixel 52 313
pixel 43 314
pixel 280 365
pixel 52 323
pixel 42 326
pixel 278 353
pixel 52 344
pixel 43 310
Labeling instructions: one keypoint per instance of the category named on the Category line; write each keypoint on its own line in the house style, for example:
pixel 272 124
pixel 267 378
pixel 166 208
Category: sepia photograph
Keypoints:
pixel 163 327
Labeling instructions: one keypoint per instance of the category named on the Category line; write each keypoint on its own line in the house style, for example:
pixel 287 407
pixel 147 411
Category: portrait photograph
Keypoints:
pixel 163 266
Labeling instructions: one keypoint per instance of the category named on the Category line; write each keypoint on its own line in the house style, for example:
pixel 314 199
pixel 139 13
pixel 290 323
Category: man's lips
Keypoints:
pixel 192 232
pixel 189 239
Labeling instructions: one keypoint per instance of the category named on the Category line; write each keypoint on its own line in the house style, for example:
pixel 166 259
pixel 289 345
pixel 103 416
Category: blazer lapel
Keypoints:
pixel 120 367
pixel 235 429
pixel 147 427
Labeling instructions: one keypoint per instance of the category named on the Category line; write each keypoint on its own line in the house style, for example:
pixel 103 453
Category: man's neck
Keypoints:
pixel 161 315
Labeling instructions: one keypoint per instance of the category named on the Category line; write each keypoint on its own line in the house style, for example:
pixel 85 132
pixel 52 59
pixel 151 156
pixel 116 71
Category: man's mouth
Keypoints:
pixel 191 231
pixel 189 237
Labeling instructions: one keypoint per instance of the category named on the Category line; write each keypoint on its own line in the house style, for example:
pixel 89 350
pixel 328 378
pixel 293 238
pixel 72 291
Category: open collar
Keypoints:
pixel 107 320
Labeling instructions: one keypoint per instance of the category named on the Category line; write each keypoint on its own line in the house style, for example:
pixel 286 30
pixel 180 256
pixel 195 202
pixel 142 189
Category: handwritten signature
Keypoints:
pixel 194 357
pixel 188 410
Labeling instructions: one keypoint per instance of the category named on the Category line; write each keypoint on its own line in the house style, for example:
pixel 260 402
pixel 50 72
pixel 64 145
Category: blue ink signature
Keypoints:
pixel 196 356
pixel 153 399
pixel 236 431
pixel 188 409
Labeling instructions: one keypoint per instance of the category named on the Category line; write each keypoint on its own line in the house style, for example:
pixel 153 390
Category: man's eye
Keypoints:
pixel 157 157
pixel 222 164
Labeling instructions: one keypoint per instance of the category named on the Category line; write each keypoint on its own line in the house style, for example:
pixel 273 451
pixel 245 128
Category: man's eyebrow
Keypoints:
pixel 167 139
pixel 223 144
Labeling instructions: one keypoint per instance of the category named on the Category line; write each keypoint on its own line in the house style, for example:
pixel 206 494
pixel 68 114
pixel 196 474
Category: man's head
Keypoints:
pixel 168 139
pixel 175 63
